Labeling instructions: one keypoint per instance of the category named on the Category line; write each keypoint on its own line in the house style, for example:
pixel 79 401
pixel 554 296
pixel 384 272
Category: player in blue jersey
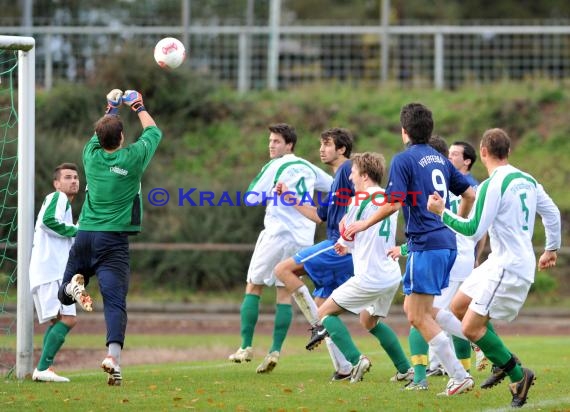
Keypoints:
pixel 325 267
pixel 414 175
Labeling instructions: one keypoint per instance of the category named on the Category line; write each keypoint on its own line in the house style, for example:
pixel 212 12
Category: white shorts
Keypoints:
pixel 269 251
pixel 353 298
pixel 444 300
pixel 48 305
pixel 500 299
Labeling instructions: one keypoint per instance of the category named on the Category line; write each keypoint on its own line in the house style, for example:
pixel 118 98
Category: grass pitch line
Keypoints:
pixel 536 405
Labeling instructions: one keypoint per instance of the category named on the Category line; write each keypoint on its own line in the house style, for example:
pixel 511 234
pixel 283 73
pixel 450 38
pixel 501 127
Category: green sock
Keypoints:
pixel 341 337
pixel 496 351
pixel 419 350
pixel 52 344
pixel 462 351
pixel 249 313
pixel 46 333
pixel 283 317
pixel 491 327
pixel 389 341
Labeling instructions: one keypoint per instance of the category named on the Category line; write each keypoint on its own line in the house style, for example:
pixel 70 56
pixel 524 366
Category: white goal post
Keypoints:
pixel 26 170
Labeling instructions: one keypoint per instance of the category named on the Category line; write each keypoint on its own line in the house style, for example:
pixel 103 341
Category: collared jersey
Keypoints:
pixel 301 177
pixel 506 205
pixel 53 237
pixel 113 202
pixel 370 247
pixel 333 209
pixel 414 175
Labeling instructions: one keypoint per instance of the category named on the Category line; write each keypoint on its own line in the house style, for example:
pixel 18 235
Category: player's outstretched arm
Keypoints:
pixel 134 100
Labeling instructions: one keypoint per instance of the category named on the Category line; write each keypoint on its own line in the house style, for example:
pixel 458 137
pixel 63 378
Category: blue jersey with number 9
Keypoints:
pixel 414 175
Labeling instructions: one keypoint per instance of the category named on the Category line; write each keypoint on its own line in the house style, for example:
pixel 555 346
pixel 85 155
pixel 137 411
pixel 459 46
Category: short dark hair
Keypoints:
pixel 468 152
pixel 63 166
pixel 373 164
pixel 497 142
pixel 108 130
pixel 341 138
pixel 416 119
pixel 287 132
pixel 439 144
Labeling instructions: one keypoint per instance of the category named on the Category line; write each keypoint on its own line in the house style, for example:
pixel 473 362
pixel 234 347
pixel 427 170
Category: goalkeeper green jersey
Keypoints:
pixel 113 201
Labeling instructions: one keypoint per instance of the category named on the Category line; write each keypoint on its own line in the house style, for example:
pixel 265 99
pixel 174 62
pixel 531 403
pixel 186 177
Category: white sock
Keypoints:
pixel 114 350
pixel 307 305
pixel 441 346
pixel 449 323
pixel 433 360
pixel 340 363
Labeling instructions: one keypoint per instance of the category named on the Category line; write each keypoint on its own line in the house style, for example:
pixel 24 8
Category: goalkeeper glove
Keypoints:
pixel 114 100
pixel 134 100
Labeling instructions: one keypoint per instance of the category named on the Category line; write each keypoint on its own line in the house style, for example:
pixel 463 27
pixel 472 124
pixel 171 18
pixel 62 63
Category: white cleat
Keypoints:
pixel 360 369
pixel 76 289
pixel 269 363
pixel 456 387
pixel 242 355
pixel 48 375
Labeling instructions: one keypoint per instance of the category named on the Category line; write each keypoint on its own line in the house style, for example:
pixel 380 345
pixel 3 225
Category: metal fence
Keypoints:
pixel 273 56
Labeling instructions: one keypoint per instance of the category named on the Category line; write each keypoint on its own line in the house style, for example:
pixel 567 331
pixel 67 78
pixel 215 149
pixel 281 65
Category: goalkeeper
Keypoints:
pixel 112 211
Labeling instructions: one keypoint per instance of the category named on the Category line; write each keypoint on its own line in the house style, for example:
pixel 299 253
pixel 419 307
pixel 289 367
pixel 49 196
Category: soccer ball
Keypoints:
pixel 169 53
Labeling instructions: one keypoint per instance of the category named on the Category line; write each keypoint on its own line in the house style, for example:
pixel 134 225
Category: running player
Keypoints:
pixel 369 293
pixel 324 266
pixel 286 232
pixel 506 206
pixel 414 174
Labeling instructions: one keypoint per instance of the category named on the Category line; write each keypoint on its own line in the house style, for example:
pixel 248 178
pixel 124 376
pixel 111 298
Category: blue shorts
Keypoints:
pixel 326 268
pixel 427 271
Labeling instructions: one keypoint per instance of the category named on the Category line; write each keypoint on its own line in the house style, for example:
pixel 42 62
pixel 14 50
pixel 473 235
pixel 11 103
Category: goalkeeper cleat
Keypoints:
pixel 318 334
pixel 360 369
pixel 401 377
pixel 268 363
pixel 242 355
pixel 76 289
pixel 110 366
pixel 48 375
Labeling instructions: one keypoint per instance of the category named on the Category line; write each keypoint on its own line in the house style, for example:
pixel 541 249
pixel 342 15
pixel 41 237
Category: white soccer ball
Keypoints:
pixel 169 53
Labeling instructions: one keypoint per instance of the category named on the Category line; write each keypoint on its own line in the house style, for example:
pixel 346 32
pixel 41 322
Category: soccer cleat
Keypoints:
pixel 337 376
pixel 242 355
pixel 456 387
pixel 48 375
pixel 520 389
pixel 416 386
pixel 401 377
pixel 360 369
pixel 438 371
pixel 110 366
pixel 318 334
pixel 269 362
pixel 76 289
pixel 481 361
pixel 497 376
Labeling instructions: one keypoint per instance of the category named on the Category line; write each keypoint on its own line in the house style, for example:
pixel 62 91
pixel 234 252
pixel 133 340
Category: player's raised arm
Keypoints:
pixel 134 100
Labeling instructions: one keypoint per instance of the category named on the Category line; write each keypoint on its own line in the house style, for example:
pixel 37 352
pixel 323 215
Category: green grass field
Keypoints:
pixel 300 382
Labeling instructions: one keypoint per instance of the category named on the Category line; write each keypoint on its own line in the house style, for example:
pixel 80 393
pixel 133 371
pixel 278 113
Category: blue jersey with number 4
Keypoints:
pixel 414 175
